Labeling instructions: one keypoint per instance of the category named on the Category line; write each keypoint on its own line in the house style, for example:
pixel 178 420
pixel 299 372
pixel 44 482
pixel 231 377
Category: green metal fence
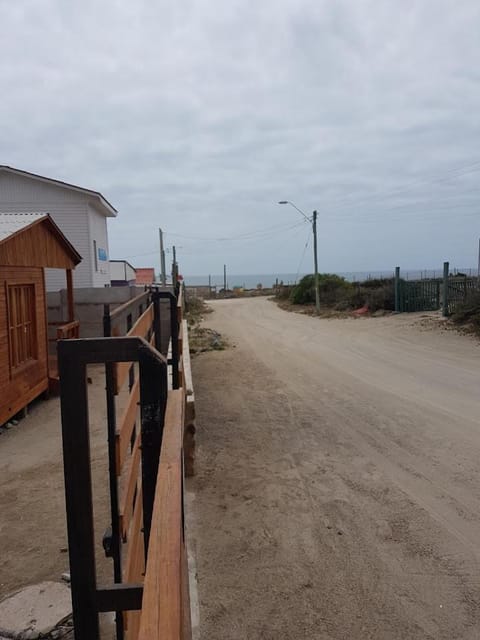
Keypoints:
pixel 445 293
pixel 420 295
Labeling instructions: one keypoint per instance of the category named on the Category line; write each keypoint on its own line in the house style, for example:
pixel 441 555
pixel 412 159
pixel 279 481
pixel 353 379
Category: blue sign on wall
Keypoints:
pixel 102 254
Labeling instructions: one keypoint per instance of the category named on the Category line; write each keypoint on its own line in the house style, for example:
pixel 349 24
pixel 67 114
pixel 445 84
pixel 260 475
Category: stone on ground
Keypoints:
pixel 35 611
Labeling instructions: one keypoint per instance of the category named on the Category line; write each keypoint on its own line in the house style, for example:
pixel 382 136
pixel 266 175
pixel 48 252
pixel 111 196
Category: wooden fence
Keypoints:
pixel 146 541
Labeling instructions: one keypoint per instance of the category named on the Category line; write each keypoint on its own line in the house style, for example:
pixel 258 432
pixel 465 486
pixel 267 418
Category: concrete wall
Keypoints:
pixel 89 308
pixel 89 302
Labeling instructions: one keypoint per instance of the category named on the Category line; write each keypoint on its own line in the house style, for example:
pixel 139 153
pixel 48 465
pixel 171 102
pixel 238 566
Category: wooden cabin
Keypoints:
pixel 29 243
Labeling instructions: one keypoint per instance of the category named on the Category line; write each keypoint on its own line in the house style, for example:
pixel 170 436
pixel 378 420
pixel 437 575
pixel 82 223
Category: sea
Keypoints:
pixel 267 280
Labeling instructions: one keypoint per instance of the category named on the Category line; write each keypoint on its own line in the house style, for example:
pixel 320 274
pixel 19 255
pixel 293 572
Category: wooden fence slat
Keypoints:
pixel 134 565
pixel 140 328
pixel 129 304
pixel 132 476
pixel 135 544
pixel 162 615
pixel 127 422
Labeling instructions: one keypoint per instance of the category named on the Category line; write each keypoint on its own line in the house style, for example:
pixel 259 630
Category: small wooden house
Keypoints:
pixel 29 243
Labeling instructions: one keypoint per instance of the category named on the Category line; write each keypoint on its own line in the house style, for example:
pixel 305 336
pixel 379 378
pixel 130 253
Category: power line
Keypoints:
pixel 247 235
pixel 303 257
pixel 353 199
pixel 258 235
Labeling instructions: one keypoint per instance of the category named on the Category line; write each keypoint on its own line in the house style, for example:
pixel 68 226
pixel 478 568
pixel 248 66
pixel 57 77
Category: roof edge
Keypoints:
pixel 106 204
pixel 45 218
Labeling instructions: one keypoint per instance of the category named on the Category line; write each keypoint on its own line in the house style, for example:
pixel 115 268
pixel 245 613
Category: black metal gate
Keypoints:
pixel 152 385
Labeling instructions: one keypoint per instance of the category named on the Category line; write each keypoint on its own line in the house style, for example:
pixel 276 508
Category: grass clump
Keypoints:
pixel 468 313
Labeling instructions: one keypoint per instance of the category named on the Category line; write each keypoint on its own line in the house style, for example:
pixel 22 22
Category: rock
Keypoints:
pixel 66 576
pixel 35 611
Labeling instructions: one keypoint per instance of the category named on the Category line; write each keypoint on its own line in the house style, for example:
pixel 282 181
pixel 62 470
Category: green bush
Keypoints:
pixel 332 289
pixel 337 292
pixel 469 311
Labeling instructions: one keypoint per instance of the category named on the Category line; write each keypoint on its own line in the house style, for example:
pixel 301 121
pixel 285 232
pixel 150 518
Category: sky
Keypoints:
pixel 198 116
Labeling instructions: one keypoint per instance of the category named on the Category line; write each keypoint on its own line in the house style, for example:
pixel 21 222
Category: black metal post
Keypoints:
pixel 157 324
pixel 78 494
pixel 153 401
pixel 116 543
pixel 174 338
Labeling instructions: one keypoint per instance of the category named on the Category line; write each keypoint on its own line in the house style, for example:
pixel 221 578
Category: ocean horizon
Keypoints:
pixel 250 281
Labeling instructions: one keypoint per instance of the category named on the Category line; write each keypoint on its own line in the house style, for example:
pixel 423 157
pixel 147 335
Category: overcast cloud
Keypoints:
pixel 198 116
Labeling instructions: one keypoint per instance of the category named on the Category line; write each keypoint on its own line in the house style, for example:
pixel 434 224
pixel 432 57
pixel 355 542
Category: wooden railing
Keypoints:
pixel 165 613
pixel 147 456
pixel 65 330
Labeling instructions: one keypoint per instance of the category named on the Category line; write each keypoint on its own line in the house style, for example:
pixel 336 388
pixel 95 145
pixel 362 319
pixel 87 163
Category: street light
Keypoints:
pixel 313 220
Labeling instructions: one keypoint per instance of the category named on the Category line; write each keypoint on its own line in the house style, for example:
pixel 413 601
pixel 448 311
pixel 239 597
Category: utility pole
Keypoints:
pixel 315 260
pixel 313 220
pixel 174 267
pixel 478 269
pixel 163 275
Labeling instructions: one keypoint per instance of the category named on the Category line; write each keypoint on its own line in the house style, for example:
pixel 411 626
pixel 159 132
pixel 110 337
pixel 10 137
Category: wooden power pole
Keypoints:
pixel 163 275
pixel 315 260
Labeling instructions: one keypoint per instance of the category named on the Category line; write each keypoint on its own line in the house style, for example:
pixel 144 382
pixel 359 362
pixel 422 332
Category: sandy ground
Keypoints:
pixel 337 493
pixel 32 504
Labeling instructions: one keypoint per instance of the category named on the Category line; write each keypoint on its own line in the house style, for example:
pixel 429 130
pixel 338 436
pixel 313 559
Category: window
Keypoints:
pixel 95 254
pixel 21 324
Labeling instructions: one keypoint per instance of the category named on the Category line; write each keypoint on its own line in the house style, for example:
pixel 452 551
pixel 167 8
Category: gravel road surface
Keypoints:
pixel 337 493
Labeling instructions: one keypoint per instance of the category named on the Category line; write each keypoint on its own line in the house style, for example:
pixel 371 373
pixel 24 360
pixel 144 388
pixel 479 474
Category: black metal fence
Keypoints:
pixel 123 356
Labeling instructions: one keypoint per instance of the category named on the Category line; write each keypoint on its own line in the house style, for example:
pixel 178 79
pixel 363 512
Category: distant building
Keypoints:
pixel 81 215
pixel 145 275
pixel 122 273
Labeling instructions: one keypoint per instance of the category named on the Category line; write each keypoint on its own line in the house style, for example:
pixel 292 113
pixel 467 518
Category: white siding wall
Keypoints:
pixel 121 270
pixel 72 213
pixel 99 239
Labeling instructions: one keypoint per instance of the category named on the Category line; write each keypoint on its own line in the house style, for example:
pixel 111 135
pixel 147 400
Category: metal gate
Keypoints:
pixel 420 295
pixel 132 361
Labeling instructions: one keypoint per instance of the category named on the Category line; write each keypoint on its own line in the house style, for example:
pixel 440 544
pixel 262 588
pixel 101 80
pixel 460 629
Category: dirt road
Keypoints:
pixel 338 486
pixel 32 504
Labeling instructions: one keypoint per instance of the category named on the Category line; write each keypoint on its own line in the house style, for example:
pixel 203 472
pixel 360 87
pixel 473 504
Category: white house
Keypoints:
pixel 81 214
pixel 122 273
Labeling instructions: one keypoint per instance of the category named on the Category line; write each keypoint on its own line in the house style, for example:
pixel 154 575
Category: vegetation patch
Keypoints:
pixel 338 295
pixel 467 315
pixel 203 339
pixel 200 338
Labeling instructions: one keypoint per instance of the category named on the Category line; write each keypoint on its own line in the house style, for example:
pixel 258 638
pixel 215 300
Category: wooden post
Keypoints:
pixel 70 302
pixel 397 289
pixel 445 290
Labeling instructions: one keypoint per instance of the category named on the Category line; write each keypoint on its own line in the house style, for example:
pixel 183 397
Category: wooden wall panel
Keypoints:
pixel 36 246
pixel 19 388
